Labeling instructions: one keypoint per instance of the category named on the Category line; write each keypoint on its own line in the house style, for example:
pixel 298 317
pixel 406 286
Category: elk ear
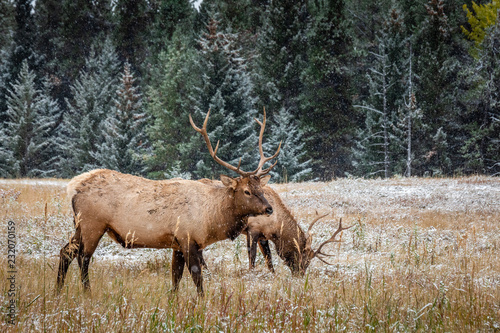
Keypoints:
pixel 264 180
pixel 228 181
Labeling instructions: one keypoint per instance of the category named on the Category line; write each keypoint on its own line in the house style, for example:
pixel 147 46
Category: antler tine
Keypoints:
pixel 203 132
pixel 312 224
pixel 331 239
pixel 323 260
pixel 263 158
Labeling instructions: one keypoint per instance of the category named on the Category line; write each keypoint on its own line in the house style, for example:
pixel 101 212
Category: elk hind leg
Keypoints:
pixel 266 251
pixel 178 262
pixel 194 262
pixel 66 256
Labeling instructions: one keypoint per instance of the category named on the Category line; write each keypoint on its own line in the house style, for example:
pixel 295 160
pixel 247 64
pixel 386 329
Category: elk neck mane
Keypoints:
pixel 290 224
pixel 76 184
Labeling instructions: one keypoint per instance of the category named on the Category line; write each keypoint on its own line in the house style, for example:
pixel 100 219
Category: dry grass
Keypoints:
pixel 422 256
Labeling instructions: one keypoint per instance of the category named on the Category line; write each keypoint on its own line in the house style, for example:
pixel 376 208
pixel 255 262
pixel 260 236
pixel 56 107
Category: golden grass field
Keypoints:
pixel 423 255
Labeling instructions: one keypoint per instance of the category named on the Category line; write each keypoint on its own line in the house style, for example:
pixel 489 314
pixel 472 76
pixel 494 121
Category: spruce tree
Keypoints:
pixel 372 152
pixel 167 104
pixel 68 30
pixel 482 117
pixel 7 23
pixel 437 66
pixel 80 131
pixel 282 55
pixel 27 148
pixel 292 162
pixel 132 31
pixel 123 129
pixel 325 101
pixel 22 47
pixel 167 16
pixel 380 146
pixel 226 89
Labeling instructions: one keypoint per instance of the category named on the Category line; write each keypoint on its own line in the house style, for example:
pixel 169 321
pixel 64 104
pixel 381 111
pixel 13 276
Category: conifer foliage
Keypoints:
pixel 27 144
pixel 226 89
pixel 292 162
pixel 372 89
pixel 123 129
pixel 81 130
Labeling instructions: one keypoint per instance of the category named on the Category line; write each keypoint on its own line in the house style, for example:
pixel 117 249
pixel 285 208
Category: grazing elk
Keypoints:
pixel 292 244
pixel 183 215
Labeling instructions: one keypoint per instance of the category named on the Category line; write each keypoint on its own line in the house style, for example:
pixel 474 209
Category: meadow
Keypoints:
pixel 422 255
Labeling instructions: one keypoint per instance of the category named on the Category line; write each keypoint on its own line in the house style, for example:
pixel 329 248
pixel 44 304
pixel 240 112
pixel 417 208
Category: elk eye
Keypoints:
pixel 247 192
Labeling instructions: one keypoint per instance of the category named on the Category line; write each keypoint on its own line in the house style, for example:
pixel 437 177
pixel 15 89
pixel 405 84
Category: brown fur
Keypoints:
pixel 282 229
pixel 180 214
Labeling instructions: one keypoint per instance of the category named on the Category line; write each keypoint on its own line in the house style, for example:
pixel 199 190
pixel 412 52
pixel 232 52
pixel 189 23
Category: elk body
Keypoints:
pixel 183 215
pixel 292 244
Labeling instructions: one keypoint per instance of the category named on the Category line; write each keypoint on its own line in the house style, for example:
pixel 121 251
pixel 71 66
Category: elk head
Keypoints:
pixel 247 188
pixel 306 254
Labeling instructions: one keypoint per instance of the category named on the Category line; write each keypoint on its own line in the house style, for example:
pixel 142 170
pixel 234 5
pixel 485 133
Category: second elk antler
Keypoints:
pixel 330 240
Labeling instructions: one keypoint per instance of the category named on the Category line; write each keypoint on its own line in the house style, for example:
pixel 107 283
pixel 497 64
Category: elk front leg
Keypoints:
pixel 83 262
pixel 194 262
pixel 252 239
pixel 178 262
pixel 90 240
pixel 266 251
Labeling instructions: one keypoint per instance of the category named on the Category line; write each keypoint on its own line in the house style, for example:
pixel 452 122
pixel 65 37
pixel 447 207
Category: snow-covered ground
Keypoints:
pixel 386 214
pixel 438 238
pixel 38 181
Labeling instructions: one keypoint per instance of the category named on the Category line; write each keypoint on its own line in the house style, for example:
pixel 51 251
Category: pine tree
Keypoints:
pixel 380 143
pixel 292 163
pixel 123 130
pixel 27 137
pixel 227 90
pixel 132 31
pixel 482 119
pixel 22 47
pixel 167 104
pixel 282 55
pixel 93 93
pixel 325 101
pixel 167 16
pixel 437 65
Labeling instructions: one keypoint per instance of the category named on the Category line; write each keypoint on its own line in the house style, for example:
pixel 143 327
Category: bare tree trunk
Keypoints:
pixel 411 109
pixel 385 120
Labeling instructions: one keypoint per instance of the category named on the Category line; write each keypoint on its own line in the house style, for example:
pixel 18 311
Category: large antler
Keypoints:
pixel 263 159
pixel 308 234
pixel 213 153
pixel 331 239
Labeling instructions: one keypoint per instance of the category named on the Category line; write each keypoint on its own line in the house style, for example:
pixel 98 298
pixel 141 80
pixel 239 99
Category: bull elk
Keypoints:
pixel 183 215
pixel 292 244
